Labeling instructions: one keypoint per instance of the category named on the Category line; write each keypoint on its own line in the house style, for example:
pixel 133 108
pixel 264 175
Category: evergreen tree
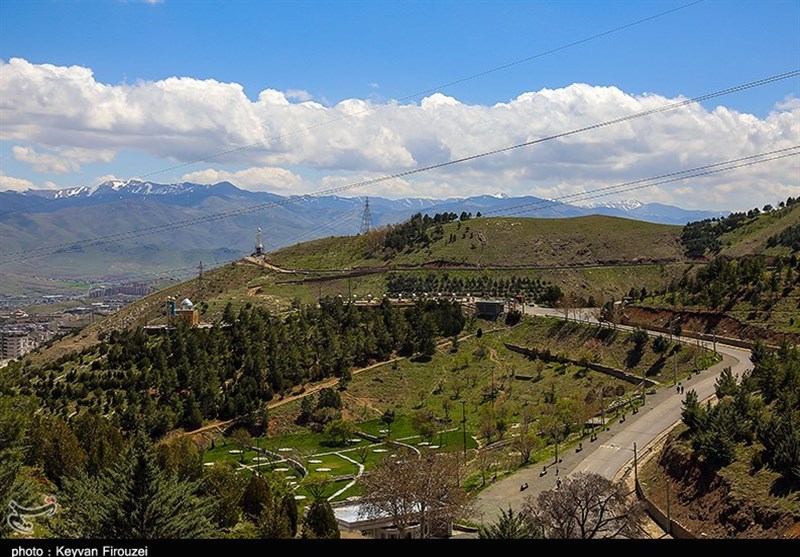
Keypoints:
pixel 54 447
pixel 101 441
pixel 319 521
pixel 289 506
pixel 692 414
pixel 510 526
pixel 134 499
pixel 726 384
pixel 15 415
pixel 223 485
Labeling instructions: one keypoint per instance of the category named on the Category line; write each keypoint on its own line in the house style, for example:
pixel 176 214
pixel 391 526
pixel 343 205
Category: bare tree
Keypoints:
pixel 414 490
pixel 587 506
pixel 362 452
pixel 486 458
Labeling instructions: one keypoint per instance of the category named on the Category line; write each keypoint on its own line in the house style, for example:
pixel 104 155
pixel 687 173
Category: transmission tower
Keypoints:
pixel 366 219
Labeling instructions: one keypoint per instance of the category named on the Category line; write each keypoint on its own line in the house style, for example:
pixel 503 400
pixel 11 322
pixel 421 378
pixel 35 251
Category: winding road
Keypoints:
pixel 613 449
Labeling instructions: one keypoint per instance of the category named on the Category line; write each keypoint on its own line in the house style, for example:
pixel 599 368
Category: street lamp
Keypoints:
pixel 464 425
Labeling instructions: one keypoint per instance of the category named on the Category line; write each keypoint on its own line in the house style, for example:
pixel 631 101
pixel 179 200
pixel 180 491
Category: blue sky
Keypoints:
pixel 327 59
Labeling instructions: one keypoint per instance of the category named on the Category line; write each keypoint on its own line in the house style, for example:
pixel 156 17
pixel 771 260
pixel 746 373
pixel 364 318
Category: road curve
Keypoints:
pixel 613 449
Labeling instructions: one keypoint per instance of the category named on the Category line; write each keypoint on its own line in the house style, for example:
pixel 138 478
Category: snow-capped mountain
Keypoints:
pixel 140 217
pixel 136 188
pixel 650 212
pixel 622 204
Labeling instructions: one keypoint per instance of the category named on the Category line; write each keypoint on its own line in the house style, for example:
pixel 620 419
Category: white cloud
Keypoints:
pixel 790 102
pixel 61 161
pixel 10 183
pixel 271 179
pixel 299 95
pixel 57 109
pixel 105 178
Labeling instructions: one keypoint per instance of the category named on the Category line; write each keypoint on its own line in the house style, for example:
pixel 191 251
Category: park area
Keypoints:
pixel 500 408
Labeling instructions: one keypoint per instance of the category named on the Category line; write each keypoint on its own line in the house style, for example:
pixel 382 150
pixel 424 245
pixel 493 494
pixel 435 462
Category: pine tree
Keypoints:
pixel 289 506
pixel 102 441
pixel 320 522
pixel 510 526
pixel 692 414
pixel 134 499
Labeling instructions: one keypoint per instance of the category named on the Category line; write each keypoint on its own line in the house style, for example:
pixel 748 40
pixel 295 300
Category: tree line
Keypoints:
pixel 761 409
pixel 539 291
pixel 112 486
pixel 190 375
pixel 701 237
pixel 415 232
pixel 727 281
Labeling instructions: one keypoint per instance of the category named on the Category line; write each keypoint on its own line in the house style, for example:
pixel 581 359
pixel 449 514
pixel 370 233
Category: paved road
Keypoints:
pixel 613 449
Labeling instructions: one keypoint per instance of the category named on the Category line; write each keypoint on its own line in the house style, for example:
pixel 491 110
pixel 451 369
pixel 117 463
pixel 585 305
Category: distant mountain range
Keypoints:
pixel 54 232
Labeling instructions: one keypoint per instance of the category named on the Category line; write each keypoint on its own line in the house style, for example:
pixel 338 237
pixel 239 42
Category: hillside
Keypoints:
pixel 750 290
pixel 52 233
pixel 734 464
pixel 768 231
pixel 503 242
pixel 753 237
pixel 594 256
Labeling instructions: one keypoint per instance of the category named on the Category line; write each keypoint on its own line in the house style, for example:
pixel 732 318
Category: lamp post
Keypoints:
pixel 464 425
pixel 675 373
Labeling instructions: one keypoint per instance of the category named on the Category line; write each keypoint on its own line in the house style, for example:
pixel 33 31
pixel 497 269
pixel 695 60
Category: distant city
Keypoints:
pixel 27 322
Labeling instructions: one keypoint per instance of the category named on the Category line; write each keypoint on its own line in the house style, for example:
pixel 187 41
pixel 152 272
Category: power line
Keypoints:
pixel 411 172
pixel 405 98
pixel 541 205
pixel 431 89
pixel 680 174
pixel 680 178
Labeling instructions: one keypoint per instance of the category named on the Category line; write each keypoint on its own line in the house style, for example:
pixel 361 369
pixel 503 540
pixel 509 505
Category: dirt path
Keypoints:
pixel 362 402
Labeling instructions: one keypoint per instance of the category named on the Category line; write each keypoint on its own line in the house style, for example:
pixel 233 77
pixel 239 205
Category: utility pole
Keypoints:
pixel 555 438
pixel 200 281
pixel 602 407
pixel 464 426
pixel 675 374
pixel 635 466
pixel 492 386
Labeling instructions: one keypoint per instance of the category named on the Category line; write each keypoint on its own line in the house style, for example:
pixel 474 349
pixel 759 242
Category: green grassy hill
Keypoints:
pixel 595 256
pixel 752 237
pixel 503 242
